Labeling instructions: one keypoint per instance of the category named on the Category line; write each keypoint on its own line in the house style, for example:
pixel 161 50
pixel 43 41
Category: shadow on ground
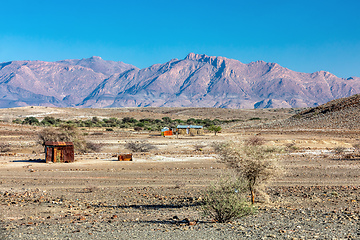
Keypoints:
pixel 150 206
pixel 30 161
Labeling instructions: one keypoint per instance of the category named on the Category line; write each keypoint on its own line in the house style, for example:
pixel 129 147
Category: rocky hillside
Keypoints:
pixel 195 81
pixel 341 113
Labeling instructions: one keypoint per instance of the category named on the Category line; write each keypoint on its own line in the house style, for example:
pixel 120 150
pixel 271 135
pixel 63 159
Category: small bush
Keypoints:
pixel 226 200
pixel 139 146
pixel 199 147
pixel 94 147
pixel 339 150
pixel 109 129
pixel 17 121
pixel 97 133
pixel 291 147
pixel 180 184
pixel 255 141
pixel 4 147
pixel 138 128
pixel 356 146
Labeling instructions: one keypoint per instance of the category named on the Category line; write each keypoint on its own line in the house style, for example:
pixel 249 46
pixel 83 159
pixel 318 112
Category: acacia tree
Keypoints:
pixel 214 128
pixel 67 133
pixel 256 164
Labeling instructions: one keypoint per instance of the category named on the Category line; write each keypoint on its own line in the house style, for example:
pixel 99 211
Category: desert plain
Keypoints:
pixel 158 195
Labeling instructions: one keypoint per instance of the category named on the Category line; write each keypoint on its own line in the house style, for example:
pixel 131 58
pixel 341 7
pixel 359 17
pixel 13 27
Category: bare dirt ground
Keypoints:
pixel 158 195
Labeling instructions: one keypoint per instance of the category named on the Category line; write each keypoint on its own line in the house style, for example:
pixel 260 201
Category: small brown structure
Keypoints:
pixel 125 157
pixel 61 152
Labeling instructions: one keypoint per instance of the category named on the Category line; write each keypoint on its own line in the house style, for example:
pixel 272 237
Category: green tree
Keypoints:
pixel 48 121
pixel 214 128
pixel 166 120
pixel 31 121
pixel 129 120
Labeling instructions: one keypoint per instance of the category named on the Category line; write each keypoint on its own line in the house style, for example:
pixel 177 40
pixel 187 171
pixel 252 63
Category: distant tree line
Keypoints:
pixel 126 122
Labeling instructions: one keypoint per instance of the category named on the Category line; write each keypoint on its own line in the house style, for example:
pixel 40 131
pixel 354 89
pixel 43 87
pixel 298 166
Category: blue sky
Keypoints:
pixel 304 36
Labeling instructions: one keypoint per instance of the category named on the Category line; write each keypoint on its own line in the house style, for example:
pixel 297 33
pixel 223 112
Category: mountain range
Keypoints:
pixel 197 80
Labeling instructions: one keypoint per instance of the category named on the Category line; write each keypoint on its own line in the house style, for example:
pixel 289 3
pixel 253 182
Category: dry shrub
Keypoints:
pixel 139 146
pixel 180 184
pixel 255 164
pixel 52 135
pixel 226 200
pixel 66 133
pixel 255 141
pixel 291 147
pixel 199 147
pixel 356 146
pixel 138 129
pixel 94 147
pixel 339 150
pixel 5 147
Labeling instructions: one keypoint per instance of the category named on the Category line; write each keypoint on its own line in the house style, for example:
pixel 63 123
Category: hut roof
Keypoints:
pixel 48 143
pixel 189 126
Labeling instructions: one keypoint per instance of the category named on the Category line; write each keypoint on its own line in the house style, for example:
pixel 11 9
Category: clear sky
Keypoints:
pixel 304 36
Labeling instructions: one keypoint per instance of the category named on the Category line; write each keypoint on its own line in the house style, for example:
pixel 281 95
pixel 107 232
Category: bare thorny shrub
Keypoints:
pixel 256 164
pixel 5 147
pixel 291 147
pixel 356 147
pixel 255 141
pixel 226 200
pixel 68 133
pixel 339 150
pixel 139 146
pixel 199 147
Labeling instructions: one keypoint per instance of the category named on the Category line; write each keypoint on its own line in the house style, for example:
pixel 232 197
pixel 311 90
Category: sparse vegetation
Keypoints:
pixel 5 147
pixel 291 147
pixel 94 147
pixel 226 200
pixel 256 164
pixel 339 150
pixel 255 141
pixel 356 147
pixel 127 122
pixel 199 147
pixel 139 146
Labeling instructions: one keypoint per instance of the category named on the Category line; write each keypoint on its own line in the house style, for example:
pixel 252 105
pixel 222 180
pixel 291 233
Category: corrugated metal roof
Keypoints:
pixel 49 143
pixel 165 129
pixel 189 126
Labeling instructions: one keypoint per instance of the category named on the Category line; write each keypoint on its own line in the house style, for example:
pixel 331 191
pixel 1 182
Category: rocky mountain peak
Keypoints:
pixel 213 60
pixel 95 58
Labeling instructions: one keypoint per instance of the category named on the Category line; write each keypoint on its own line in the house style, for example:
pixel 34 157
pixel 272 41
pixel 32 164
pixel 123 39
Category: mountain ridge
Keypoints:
pixel 197 80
